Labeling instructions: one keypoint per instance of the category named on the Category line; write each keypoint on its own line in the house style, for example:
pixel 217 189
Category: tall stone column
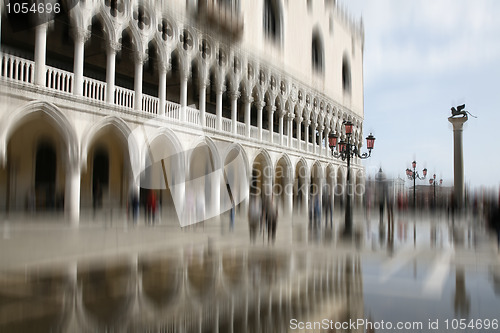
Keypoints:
pixel 111 50
pixel 162 87
pixel 72 194
pixel 320 131
pixel 140 58
pixel 282 114
pixel 248 109
pixel 203 101
pixel 234 110
pixel 81 36
pixel 183 97
pixel 218 107
pixel 327 133
pixel 270 114
pixel 299 131
pixel 307 123
pixel 290 129
pixel 458 160
pixel 40 53
pixel 260 105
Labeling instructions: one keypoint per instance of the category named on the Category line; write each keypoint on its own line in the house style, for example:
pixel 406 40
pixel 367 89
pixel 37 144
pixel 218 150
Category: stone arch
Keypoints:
pixel 13 120
pixel 112 138
pixel 301 186
pixel 236 173
pixel 121 126
pixel 40 144
pixel 283 183
pixel 204 183
pixel 262 175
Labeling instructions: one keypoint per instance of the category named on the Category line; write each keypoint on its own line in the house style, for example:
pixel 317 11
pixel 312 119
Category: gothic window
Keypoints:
pixel 272 21
pixel 346 75
pixel 317 54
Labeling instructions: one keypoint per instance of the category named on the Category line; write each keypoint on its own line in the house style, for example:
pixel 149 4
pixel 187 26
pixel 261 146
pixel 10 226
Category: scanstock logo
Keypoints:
pixel 197 196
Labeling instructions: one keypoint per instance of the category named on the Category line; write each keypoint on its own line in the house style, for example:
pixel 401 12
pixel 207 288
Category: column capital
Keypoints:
pixel 259 104
pixel 291 115
pixel 307 122
pixel 220 88
pixel 164 67
pixel 114 46
pixel 248 99
pixel 271 108
pixel 140 57
pixel 321 128
pixel 299 119
pixel 458 122
pixel 81 35
pixel 234 95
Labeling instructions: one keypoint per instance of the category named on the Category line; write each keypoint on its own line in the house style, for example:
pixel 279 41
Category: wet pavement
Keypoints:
pixel 427 274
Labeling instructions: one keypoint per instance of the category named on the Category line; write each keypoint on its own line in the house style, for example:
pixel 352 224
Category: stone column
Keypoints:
pixel 282 114
pixel 327 134
pixel 321 129
pixel 40 53
pixel 162 88
pixel 290 129
pixel 218 108
pixel 289 193
pixel 314 139
pixel 111 50
pixel 183 97
pixel 248 108
pixel 270 114
pixel 299 132
pixel 260 105
pixel 72 194
pixel 202 101
pixel 81 36
pixel 458 160
pixel 215 180
pixel 140 58
pixel 234 110
pixel 306 139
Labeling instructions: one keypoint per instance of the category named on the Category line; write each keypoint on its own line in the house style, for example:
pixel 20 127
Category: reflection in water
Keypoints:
pixel 461 298
pixel 202 291
pixel 34 303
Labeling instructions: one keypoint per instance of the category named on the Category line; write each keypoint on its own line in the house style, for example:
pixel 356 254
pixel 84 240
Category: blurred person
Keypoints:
pixel 96 196
pixel 134 206
pixel 272 219
pixel 317 211
pixel 254 216
pixel 151 207
pixel 231 213
pixel 327 207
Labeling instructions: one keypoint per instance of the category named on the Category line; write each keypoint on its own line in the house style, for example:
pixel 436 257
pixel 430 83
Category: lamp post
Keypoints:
pixel 432 181
pixel 413 175
pixel 347 150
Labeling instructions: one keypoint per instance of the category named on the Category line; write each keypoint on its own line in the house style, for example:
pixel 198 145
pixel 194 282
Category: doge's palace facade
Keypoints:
pixel 201 101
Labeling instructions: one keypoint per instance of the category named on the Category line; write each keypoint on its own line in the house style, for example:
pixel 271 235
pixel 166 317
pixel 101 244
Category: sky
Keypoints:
pixel 420 59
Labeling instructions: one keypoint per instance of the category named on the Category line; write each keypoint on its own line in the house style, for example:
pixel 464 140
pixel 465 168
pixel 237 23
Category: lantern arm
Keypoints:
pixel 340 155
pixel 360 155
pixel 417 176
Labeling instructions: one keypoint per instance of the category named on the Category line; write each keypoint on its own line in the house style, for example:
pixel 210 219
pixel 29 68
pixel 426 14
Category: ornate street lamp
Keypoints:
pixel 347 150
pixel 413 175
pixel 432 181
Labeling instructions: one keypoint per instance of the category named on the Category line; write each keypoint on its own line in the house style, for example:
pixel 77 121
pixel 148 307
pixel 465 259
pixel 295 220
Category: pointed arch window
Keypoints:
pixel 317 53
pixel 346 75
pixel 272 21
